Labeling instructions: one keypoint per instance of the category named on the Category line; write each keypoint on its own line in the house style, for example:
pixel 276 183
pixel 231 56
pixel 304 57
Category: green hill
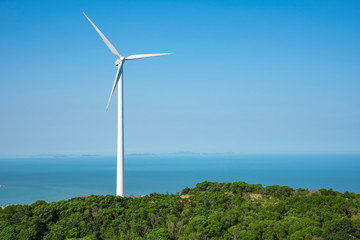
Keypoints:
pixel 208 211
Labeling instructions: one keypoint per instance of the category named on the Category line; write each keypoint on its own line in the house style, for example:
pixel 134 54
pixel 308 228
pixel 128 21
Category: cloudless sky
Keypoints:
pixel 248 77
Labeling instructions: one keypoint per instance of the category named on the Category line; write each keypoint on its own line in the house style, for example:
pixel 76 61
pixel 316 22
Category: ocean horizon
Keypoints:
pixel 60 177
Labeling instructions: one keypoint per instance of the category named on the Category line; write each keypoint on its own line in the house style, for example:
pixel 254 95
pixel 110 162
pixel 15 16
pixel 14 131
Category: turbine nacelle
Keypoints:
pixel 119 61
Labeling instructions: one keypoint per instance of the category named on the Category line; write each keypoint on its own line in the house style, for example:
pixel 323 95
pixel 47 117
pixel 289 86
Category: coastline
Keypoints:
pixel 29 180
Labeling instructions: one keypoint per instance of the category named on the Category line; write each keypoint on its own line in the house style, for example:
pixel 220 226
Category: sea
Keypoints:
pixel 54 178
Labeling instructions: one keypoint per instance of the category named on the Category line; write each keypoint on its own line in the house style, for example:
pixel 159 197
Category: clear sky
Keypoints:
pixel 248 77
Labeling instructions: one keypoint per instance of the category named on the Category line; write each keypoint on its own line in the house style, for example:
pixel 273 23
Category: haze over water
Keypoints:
pixel 59 178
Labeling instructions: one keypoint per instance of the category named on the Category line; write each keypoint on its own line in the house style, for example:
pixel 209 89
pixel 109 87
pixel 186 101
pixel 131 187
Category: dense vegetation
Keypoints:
pixel 208 211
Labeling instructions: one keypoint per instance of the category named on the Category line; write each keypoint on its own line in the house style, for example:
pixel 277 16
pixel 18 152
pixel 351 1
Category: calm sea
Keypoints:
pixel 59 178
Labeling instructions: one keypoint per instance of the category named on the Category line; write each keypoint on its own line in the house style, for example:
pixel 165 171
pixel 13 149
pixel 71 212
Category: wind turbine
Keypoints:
pixel 119 81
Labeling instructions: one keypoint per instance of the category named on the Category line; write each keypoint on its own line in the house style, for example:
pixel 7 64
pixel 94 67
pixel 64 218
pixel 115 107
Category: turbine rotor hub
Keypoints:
pixel 120 60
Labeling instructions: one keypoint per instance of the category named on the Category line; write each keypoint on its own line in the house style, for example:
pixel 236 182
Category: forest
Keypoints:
pixel 210 210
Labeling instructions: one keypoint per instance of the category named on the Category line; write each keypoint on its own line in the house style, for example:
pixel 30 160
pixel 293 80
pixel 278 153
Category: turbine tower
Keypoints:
pixel 119 82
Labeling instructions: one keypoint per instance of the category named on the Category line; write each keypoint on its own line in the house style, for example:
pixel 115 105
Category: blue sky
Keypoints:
pixel 248 77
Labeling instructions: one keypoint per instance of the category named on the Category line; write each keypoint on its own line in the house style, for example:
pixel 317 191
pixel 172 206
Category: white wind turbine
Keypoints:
pixel 119 78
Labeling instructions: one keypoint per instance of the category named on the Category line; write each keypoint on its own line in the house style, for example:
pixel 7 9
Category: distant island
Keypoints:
pixel 210 210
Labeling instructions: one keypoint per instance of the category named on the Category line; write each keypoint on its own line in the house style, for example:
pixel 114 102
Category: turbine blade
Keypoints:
pixel 118 75
pixel 139 56
pixel 110 46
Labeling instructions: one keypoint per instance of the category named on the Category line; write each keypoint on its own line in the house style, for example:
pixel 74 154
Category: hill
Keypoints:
pixel 208 211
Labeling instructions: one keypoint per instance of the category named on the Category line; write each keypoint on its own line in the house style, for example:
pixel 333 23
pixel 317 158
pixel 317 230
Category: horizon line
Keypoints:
pixel 4 156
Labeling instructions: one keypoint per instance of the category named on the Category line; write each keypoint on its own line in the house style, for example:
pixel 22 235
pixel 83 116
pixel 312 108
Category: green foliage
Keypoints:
pixel 9 232
pixel 159 234
pixel 210 210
